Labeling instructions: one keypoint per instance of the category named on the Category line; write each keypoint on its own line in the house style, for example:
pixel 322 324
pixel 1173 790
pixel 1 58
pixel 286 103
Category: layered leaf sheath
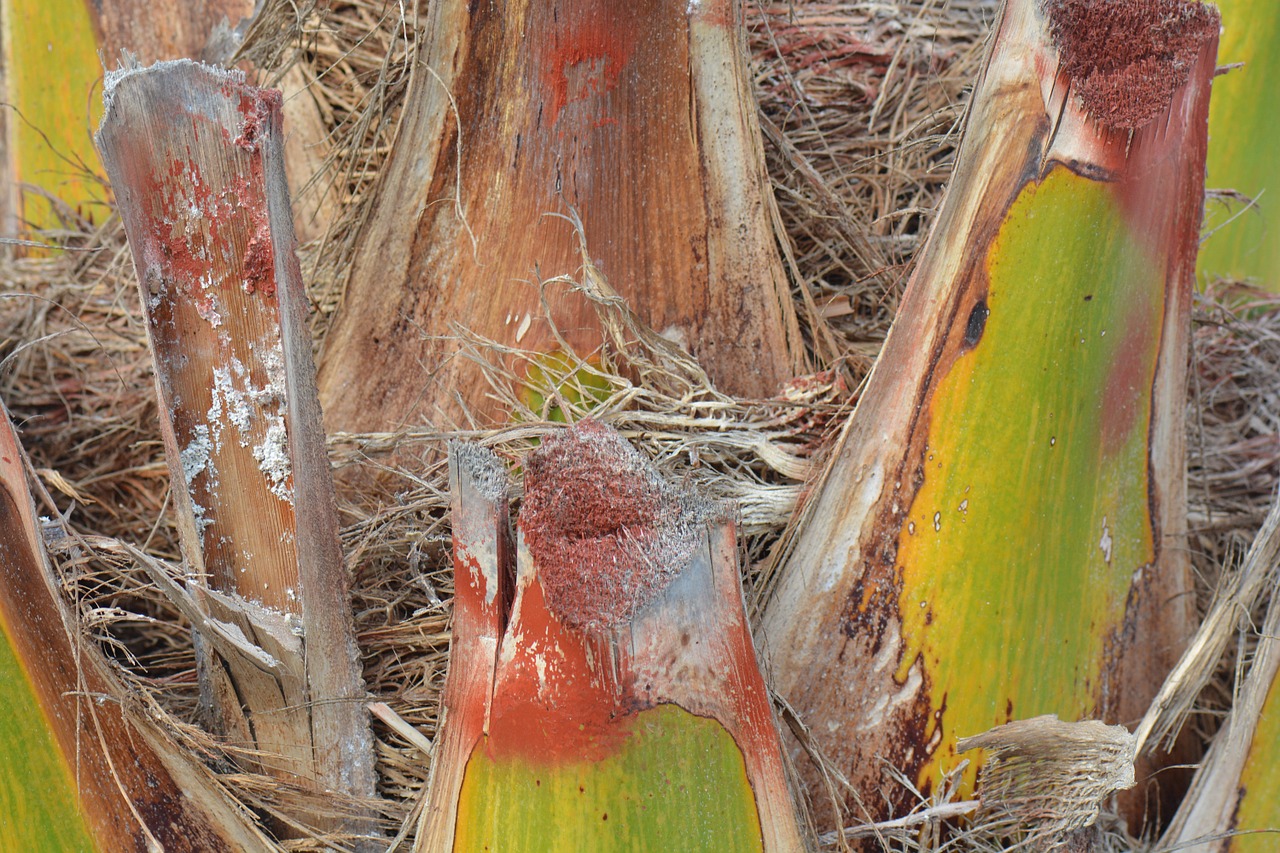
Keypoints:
pixel 84 767
pixel 611 701
pixel 1000 532
pixel 634 118
pixel 195 157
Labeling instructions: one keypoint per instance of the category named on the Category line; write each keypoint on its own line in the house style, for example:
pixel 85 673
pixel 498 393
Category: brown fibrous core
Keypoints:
pixel 1126 58
pixel 605 531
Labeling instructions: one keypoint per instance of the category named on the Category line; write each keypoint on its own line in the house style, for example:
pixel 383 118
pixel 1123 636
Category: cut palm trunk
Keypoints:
pixel 1244 122
pixel 1000 532
pixel 195 157
pixel 53 56
pixel 635 118
pixel 617 705
pixel 83 767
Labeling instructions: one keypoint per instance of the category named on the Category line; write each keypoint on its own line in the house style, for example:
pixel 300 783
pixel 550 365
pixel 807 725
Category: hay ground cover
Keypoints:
pixel 861 104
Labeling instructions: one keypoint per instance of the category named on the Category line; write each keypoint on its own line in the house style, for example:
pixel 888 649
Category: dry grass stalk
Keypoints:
pixel 1234 787
pixel 1236 597
pixel 861 103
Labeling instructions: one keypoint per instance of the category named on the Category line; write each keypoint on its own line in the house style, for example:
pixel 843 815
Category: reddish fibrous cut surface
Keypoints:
pixel 1126 58
pixel 606 532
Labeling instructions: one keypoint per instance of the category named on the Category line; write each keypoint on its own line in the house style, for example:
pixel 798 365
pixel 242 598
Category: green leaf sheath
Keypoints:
pixel 39 806
pixel 677 782
pixel 1033 513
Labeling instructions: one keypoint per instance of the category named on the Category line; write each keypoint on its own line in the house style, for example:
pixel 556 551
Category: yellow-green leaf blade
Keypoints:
pixel 51 68
pixel 1259 807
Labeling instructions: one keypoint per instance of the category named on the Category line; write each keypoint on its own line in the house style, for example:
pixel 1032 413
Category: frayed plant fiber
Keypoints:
pixel 1050 778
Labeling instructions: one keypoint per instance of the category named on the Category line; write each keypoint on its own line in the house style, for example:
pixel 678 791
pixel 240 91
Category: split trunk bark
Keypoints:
pixel 638 119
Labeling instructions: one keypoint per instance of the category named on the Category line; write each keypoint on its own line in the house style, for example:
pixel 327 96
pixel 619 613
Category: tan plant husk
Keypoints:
pixel 861 104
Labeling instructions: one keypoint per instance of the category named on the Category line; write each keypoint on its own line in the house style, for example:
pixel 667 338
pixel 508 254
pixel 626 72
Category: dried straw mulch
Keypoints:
pixel 861 104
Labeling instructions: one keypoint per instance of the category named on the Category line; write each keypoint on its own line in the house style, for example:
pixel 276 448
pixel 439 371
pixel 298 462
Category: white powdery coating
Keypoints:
pixel 196 459
pixel 236 402
pixel 273 459
pixel 202 521
pixel 232 401
pixel 273 363
pixel 195 456
pixel 273 453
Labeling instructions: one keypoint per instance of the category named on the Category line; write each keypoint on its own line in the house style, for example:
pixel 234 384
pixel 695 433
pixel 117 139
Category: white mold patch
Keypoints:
pixel 231 401
pixel 273 458
pixel 195 456
pixel 252 416
pixel 202 521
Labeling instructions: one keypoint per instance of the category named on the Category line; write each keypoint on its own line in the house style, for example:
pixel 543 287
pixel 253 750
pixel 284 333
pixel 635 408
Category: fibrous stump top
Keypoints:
pixel 606 532
pixel 1126 58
